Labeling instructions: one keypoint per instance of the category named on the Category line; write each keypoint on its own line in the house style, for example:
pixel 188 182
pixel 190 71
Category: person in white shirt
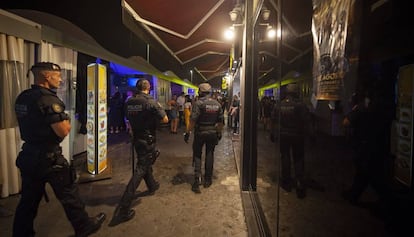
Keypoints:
pixel 187 111
pixel 181 102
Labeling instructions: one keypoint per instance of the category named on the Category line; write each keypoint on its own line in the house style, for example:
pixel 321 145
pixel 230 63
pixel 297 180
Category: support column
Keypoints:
pixel 248 89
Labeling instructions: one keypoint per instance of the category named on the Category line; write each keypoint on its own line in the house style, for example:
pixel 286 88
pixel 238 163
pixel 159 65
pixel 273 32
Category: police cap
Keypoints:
pixel 204 87
pixel 292 88
pixel 45 66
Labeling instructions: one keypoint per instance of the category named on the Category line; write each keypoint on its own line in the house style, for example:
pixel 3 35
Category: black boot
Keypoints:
pixel 207 182
pixel 91 227
pixel 121 215
pixel 154 187
pixel 196 185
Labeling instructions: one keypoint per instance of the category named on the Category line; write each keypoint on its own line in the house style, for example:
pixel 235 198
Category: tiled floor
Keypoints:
pixel 174 210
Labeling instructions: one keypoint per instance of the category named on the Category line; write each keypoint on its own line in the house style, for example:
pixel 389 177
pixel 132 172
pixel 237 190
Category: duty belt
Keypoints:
pixel 206 127
pixel 141 133
pixel 43 147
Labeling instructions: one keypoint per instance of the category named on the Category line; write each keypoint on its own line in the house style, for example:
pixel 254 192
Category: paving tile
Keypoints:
pixel 173 211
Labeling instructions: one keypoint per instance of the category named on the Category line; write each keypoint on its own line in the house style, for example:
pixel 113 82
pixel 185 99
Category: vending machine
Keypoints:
pixel 96 124
pixel 403 132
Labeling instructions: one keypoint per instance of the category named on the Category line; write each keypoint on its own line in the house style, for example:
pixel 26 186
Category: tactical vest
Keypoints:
pixel 209 112
pixel 292 118
pixel 31 108
pixel 139 114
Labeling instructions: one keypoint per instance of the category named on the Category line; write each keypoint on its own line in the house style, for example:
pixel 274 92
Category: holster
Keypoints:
pixel 60 163
pixel 148 141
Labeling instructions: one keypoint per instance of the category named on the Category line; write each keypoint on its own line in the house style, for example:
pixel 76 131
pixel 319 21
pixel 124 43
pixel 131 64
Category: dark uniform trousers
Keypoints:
pixel 143 170
pixel 37 168
pixel 369 144
pixel 209 138
pixel 294 144
pixel 369 170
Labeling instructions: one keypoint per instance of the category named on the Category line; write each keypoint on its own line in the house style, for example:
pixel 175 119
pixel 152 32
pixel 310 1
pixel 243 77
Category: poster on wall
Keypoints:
pixel 404 134
pixel 96 119
pixel 329 31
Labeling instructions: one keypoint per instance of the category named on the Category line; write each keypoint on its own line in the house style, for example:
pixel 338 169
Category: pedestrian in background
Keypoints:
pixel 180 103
pixel 43 125
pixel 173 114
pixel 129 95
pixel 115 113
pixel 235 113
pixel 187 111
pixel 207 120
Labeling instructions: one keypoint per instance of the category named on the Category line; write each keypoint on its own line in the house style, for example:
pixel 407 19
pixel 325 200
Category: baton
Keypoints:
pixel 133 156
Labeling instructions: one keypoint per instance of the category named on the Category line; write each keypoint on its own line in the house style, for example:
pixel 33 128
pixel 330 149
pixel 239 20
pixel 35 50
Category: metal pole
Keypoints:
pixel 279 73
pixel 248 106
pixel 148 53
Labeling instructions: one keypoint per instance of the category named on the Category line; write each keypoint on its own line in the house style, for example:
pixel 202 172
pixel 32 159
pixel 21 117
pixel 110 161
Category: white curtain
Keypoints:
pixel 16 56
pixel 67 60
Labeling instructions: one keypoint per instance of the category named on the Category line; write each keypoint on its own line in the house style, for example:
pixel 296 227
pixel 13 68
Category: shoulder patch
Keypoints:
pixel 57 108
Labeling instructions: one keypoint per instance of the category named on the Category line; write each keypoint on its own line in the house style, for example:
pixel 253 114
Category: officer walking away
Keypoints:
pixel 43 125
pixel 294 119
pixel 143 113
pixel 207 120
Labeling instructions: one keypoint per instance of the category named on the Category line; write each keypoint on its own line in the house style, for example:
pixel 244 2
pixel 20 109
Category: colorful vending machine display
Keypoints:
pixel 404 126
pixel 96 119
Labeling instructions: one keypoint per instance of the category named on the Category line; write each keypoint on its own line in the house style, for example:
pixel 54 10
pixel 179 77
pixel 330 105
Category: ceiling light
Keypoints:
pixel 233 15
pixel 236 12
pixel 271 33
pixel 265 13
pixel 229 33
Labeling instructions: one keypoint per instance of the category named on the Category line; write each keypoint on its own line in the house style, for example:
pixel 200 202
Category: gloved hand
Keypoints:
pixel 186 137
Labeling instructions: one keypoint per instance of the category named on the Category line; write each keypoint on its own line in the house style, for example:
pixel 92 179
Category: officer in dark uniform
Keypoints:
pixel 294 122
pixel 43 125
pixel 207 120
pixel 143 113
pixel 368 122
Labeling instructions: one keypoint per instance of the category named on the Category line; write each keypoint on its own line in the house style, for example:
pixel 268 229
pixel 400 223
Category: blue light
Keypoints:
pixel 132 81
pixel 191 91
pixel 269 92
pixel 123 70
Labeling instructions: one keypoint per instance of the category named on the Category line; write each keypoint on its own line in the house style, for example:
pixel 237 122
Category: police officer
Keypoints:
pixel 207 121
pixel 43 125
pixel 368 121
pixel 143 113
pixel 294 122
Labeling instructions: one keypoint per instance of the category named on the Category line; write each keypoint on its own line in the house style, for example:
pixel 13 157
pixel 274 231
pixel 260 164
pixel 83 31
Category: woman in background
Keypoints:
pixel 187 111
pixel 116 118
pixel 173 116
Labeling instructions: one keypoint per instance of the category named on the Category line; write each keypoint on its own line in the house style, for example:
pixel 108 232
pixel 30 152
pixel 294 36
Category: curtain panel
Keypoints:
pixel 16 55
